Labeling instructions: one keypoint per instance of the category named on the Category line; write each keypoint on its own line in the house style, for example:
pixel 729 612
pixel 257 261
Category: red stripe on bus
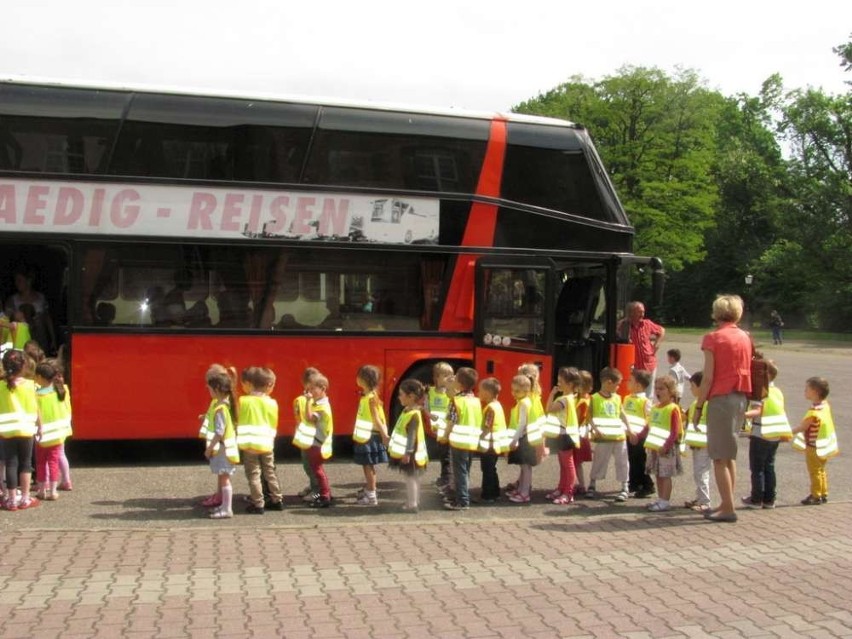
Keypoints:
pixel 481 225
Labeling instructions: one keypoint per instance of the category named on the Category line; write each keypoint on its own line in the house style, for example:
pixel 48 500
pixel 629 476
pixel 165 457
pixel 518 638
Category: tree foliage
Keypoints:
pixel 724 186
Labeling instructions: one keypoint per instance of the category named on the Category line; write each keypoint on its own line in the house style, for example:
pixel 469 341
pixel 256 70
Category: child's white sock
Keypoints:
pixel 227 497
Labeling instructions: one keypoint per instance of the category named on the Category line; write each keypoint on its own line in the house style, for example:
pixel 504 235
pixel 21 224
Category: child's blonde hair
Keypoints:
pixel 522 383
pixel 441 368
pixel 531 372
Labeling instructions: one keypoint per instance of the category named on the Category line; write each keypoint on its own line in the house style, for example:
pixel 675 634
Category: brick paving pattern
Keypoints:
pixel 782 573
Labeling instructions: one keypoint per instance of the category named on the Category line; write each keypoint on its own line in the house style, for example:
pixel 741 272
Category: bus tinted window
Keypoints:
pixel 213 139
pixel 517 228
pixel 178 286
pixel 514 313
pixel 546 166
pixel 379 149
pixel 53 130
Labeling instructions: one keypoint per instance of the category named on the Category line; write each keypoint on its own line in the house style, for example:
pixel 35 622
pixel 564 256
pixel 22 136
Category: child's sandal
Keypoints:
pixel 220 513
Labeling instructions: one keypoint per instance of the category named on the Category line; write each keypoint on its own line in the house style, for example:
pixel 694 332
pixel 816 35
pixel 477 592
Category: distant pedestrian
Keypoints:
pixel 678 372
pixel 817 437
pixel 776 324
pixel 370 433
pixel 407 447
pixel 222 443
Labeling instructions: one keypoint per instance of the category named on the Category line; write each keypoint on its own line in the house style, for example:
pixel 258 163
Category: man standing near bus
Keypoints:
pixel 645 335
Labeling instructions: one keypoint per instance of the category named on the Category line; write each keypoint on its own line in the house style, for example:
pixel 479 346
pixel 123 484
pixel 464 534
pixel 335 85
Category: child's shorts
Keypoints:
pixel 664 465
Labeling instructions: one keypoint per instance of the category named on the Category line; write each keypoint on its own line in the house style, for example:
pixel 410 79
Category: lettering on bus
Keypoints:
pixel 172 211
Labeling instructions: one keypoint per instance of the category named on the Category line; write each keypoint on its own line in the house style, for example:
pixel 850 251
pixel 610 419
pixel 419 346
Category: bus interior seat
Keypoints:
pixel 575 308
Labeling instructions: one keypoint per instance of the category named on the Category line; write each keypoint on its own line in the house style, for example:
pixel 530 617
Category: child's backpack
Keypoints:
pixel 759 376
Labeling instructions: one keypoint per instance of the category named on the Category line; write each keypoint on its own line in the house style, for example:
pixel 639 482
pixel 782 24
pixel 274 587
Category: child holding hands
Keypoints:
pixel 664 428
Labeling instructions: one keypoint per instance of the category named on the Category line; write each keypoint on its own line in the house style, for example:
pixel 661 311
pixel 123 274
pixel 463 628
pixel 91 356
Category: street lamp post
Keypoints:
pixel 748 282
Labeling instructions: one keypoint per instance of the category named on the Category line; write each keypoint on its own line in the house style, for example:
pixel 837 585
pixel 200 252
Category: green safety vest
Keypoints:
pixel 55 417
pixel 229 438
pixel 410 417
pixel 18 409
pixel 774 424
pixel 659 426
pixel 634 409
pixel 309 434
pixel 564 420
pixel 439 402
pixel 495 439
pixel 606 418
pixel 257 424
pixel 466 431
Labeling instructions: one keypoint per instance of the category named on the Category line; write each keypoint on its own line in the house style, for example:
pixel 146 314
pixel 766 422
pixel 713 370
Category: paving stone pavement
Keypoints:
pixel 782 573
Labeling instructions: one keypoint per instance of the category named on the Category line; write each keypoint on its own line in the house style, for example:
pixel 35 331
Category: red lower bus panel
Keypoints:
pixel 503 364
pixel 152 386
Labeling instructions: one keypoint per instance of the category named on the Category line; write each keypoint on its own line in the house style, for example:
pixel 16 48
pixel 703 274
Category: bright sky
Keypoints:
pixel 484 55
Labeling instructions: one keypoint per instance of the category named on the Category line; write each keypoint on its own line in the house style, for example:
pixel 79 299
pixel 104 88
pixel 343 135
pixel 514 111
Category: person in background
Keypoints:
pixel 776 324
pixel 645 335
pixel 41 326
pixel 725 385
pixel 817 437
pixel 370 433
pixel 678 372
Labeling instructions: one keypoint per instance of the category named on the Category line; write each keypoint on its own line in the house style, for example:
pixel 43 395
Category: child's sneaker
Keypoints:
pixel 823 499
pixel 251 509
pixel 220 513
pixel 29 502
pixel 563 500
pixel 590 493
pixel 310 497
pixel 810 500
pixel 622 496
pixel 769 505
pixel 320 502
pixel 368 499
pixel 748 502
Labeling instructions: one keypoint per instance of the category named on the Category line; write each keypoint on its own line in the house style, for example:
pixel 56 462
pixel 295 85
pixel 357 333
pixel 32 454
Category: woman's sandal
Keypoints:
pixel 701 508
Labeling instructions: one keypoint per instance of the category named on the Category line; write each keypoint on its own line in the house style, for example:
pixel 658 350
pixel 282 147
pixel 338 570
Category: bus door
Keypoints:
pixel 514 319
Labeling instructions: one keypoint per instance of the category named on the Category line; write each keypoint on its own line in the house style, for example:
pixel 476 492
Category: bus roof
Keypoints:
pixel 295 99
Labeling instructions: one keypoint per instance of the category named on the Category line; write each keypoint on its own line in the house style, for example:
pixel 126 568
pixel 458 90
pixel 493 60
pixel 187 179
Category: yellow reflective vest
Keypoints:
pixel 635 409
pixel 495 439
pixel 257 424
pixel 537 416
pixel 660 426
pixel 364 427
pixel 439 403
pixel 410 418
pixel 18 409
pixel 20 335
pixel 465 433
pixel 696 435
pixel 774 424
pixel 55 415
pixel 826 442
pixel 320 434
pixel 229 438
pixel 563 421
pixel 206 432
pixel 605 417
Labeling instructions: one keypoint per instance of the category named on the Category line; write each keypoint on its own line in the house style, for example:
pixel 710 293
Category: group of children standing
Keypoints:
pixel 35 412
pixel 644 435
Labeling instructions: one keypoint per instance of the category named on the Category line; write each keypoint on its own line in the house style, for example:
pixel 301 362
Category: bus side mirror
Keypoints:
pixel 658 281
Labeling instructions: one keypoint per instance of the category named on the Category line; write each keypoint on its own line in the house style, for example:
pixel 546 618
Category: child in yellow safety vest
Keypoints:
pixel 222 443
pixel 300 411
pixel 769 427
pixel 817 437
pixel 18 425
pixel 526 440
pixel 493 442
pixel 407 447
pixel 54 409
pixel 562 432
pixel 609 434
pixel 464 430
pixel 637 407
pixel 438 401
pixel 662 440
pixel 316 436
pixel 370 433
pixel 583 452
pixel 536 417
pixel 695 438
pixel 257 426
